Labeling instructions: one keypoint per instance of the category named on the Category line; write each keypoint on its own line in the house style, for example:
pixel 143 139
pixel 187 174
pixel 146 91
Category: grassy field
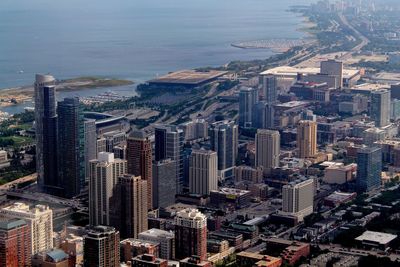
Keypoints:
pixel 18 140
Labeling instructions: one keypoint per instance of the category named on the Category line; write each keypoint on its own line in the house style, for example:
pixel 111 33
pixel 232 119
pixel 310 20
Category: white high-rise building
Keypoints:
pixel 203 172
pixel 40 221
pixel 104 173
pixel 268 149
pixel 298 198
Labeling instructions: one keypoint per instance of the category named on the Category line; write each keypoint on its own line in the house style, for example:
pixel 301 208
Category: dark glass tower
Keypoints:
pixel 71 146
pixel 46 134
pixel 369 168
pixel 169 145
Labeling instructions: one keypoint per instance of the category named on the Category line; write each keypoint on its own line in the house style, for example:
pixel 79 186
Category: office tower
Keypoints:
pixel 190 234
pixel 139 156
pixel 334 68
pixel 128 207
pixel 15 243
pixel 164 238
pixel 203 172
pixel 90 149
pixel 380 107
pixel 307 139
pixel 298 198
pixel 39 220
pixel 71 146
pixel 169 145
pixel 164 184
pixel 395 109
pixel 104 173
pixel 224 141
pixel 46 134
pixel 270 88
pixel 263 115
pixel 113 139
pixel 101 247
pixel 268 149
pixel 248 97
pixel 369 168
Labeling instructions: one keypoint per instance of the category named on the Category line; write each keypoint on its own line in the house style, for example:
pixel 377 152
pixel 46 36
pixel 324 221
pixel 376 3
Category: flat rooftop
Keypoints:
pixel 188 77
pixel 376 237
pixel 293 71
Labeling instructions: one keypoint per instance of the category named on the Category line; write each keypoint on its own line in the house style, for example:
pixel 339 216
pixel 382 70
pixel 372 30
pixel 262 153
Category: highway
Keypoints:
pixel 358 252
pixel 364 40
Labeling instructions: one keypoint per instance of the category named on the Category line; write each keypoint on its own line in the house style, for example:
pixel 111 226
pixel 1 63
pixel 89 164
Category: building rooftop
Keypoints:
pixel 188 77
pixel 293 71
pixel 231 191
pixel 376 237
pixel 339 196
pixel 57 255
pixel 157 233
pixel 8 224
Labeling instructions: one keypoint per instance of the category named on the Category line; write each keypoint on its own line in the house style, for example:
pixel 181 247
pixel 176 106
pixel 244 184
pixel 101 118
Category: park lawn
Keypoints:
pixel 18 140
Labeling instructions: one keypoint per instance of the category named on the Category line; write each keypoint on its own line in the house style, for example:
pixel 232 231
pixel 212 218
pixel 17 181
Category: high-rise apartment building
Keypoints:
pixel 101 247
pixel 46 134
pixel 380 107
pixel 298 198
pixel 224 141
pixel 268 150
pixel 164 188
pixel 248 97
pixel 104 173
pixel 369 168
pixel 190 234
pixel 164 238
pixel 39 220
pixel 196 129
pixel 71 143
pixel 169 145
pixel 90 144
pixel 203 172
pixel 128 207
pixel 139 156
pixel 307 139
pixel 15 243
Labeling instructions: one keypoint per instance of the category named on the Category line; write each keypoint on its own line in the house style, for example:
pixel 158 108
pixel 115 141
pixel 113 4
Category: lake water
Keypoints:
pixel 133 39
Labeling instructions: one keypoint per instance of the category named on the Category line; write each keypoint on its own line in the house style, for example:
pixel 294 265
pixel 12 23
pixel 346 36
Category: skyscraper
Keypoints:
pixel 335 68
pixel 190 234
pixel 298 198
pixel 71 143
pixel 15 243
pixel 46 134
pixel 169 145
pixel 369 168
pixel 307 139
pixel 380 107
pixel 263 115
pixel 90 151
pixel 139 156
pixel 39 220
pixel 128 213
pixel 248 97
pixel 164 184
pixel 101 247
pixel 203 172
pixel 270 89
pixel 224 141
pixel 104 173
pixel 267 149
